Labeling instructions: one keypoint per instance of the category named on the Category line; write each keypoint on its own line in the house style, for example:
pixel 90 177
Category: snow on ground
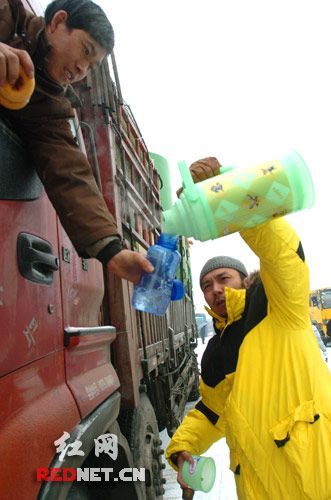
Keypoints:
pixel 224 487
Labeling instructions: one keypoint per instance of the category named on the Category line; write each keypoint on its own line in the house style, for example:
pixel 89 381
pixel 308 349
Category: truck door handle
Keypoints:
pixel 80 336
pixel 36 257
pixel 36 261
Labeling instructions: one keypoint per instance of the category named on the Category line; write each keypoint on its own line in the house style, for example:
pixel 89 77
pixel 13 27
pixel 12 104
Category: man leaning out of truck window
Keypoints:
pixel 59 50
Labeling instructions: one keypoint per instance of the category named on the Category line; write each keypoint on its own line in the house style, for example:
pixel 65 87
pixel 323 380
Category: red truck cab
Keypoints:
pixel 75 357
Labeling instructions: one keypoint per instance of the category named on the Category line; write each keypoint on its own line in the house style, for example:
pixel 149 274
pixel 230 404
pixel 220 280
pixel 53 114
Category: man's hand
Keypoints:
pixel 10 61
pixel 181 458
pixel 129 265
pixel 203 169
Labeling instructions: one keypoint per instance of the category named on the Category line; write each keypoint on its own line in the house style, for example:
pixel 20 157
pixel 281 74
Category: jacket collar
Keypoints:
pixel 235 301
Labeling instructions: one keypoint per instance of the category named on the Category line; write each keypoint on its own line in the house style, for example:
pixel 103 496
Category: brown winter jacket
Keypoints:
pixel 43 125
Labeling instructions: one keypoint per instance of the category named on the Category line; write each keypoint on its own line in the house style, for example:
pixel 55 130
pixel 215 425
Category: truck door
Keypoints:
pixel 36 405
pixel 90 374
pixel 30 300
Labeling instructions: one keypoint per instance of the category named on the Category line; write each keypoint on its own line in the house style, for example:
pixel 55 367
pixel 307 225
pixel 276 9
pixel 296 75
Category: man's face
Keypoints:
pixel 213 284
pixel 73 52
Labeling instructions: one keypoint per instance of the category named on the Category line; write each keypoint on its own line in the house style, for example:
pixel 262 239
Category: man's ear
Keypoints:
pixel 246 282
pixel 59 17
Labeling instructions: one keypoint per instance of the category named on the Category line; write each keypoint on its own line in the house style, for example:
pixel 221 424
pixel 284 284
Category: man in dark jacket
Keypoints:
pixel 59 50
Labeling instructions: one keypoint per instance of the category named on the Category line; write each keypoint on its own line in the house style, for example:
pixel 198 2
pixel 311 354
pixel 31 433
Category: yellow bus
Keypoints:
pixel 320 308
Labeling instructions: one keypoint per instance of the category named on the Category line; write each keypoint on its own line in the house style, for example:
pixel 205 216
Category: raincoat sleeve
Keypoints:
pixel 195 434
pixel 283 270
pixel 205 424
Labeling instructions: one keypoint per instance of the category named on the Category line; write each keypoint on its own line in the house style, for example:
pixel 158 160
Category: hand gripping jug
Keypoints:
pixel 239 198
pixel 155 290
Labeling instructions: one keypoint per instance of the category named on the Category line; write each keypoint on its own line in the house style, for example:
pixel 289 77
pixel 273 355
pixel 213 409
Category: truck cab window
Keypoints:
pixel 18 178
pixel 314 301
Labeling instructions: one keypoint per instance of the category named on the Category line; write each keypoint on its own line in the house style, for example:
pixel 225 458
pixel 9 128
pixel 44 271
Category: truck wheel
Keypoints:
pixel 78 491
pixel 141 430
pixel 194 394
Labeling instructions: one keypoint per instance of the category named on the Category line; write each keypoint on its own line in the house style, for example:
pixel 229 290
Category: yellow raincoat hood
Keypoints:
pixel 235 305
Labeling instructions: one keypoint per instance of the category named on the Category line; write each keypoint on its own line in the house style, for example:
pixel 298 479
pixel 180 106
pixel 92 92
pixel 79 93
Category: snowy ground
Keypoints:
pixel 224 488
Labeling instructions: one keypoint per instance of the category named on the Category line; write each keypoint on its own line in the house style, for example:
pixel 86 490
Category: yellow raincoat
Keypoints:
pixel 265 386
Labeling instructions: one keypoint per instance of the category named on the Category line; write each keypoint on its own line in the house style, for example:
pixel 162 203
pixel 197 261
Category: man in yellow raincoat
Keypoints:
pixel 264 385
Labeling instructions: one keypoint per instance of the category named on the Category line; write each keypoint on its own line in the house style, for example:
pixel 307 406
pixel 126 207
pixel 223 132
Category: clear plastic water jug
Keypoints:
pixel 155 290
